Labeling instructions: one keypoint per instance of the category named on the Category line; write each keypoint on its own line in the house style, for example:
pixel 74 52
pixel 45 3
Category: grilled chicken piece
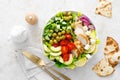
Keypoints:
pixel 79 46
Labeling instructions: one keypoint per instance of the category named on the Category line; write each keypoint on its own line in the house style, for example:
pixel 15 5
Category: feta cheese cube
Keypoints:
pixel 87 46
pixel 85 28
pixel 88 32
pixel 88 56
pixel 92 41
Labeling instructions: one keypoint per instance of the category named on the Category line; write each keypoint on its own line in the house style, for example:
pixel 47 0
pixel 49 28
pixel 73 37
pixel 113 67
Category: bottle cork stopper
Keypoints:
pixel 31 19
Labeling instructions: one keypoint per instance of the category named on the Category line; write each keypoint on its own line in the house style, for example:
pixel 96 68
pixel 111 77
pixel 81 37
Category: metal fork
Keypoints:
pixel 38 61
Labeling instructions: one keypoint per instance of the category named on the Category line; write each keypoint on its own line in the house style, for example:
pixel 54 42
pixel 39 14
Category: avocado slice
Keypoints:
pixel 46 48
pixel 55 54
pixel 61 60
pixel 55 49
pixel 69 61
pixel 46 54
pixel 51 57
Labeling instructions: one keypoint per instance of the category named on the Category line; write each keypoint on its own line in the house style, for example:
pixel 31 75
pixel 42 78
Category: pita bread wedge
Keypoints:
pixel 115 59
pixel 104 8
pixel 102 68
pixel 110 49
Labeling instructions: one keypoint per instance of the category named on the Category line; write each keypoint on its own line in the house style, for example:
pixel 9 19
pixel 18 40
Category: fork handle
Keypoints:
pixel 51 74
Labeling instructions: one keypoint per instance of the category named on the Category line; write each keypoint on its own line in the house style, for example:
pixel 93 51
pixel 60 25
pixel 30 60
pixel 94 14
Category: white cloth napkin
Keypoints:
pixel 33 44
pixel 30 69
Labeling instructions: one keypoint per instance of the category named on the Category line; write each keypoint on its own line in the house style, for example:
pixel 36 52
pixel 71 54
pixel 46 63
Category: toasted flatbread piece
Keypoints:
pixel 111 47
pixel 115 59
pixel 102 68
pixel 104 8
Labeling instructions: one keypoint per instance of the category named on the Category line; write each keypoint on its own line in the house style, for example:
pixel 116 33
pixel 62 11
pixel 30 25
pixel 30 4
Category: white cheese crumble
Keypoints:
pixel 85 28
pixel 88 32
pixel 87 46
pixel 92 41
pixel 88 56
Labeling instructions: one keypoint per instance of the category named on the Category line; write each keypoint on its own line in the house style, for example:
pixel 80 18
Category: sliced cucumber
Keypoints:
pixel 64 28
pixel 69 28
pixel 55 54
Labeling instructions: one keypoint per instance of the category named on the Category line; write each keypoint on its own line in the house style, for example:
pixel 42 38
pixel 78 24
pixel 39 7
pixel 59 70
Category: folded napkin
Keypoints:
pixel 30 69
pixel 32 43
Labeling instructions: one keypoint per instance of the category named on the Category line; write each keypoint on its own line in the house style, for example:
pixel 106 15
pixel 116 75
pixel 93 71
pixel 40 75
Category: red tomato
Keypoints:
pixel 64 42
pixel 65 49
pixel 68 36
pixel 71 46
pixel 65 57
pixel 56 45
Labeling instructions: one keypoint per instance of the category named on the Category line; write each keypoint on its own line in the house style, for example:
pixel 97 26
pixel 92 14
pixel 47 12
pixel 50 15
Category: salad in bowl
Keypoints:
pixel 69 39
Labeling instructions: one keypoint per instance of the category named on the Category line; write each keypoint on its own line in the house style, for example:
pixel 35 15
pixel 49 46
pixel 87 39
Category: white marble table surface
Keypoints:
pixel 12 13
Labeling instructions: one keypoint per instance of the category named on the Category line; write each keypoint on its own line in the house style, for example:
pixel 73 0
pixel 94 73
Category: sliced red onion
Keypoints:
pixel 91 27
pixel 85 20
pixel 85 23
pixel 85 17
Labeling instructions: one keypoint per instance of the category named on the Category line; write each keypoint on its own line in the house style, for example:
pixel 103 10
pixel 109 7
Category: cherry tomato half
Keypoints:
pixel 68 36
pixel 64 49
pixel 64 42
pixel 56 44
pixel 71 46
pixel 66 57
